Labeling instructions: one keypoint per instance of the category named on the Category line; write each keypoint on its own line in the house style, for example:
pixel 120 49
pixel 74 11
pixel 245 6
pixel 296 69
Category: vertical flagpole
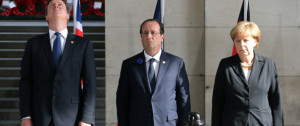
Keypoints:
pixel 162 14
pixel 162 6
pixel 245 10
pixel 74 15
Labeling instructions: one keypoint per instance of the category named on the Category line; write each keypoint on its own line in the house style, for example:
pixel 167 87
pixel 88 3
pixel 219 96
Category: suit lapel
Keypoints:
pixel 141 64
pixel 163 64
pixel 238 69
pixel 258 63
pixel 67 49
pixel 45 42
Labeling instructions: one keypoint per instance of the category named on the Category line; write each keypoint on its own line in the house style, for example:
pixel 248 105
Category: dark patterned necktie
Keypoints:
pixel 151 74
pixel 57 50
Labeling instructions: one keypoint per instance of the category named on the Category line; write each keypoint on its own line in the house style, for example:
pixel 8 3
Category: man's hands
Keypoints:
pixel 26 122
pixel 83 124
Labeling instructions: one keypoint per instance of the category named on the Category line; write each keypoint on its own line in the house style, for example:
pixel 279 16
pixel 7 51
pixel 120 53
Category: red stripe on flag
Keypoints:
pixel 79 33
pixel 233 50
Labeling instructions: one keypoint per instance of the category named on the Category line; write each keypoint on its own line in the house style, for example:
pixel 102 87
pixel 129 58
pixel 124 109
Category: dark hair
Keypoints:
pixel 46 8
pixel 161 25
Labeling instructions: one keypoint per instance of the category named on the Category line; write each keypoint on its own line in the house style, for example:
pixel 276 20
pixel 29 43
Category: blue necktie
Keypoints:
pixel 57 50
pixel 151 74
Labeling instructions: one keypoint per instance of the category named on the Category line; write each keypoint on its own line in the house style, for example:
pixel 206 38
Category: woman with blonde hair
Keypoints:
pixel 246 90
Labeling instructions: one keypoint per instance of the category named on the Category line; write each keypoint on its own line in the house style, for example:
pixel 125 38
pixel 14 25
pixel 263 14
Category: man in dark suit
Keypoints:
pixel 51 70
pixel 153 87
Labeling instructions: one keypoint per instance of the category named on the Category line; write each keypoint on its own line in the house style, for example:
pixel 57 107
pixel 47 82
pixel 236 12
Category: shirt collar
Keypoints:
pixel 156 57
pixel 63 33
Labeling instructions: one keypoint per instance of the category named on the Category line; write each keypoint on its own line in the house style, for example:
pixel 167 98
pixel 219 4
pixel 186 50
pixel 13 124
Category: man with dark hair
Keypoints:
pixel 153 86
pixel 51 70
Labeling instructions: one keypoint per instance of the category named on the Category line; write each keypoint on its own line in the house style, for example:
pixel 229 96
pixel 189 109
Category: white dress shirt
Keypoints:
pixel 155 63
pixel 63 38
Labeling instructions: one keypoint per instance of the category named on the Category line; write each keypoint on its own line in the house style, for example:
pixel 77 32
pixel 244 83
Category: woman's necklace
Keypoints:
pixel 247 65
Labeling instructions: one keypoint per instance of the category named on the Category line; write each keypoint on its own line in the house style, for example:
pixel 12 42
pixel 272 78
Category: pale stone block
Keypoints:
pixel 275 12
pixel 128 13
pixel 121 43
pixel 222 13
pixel 209 86
pixel 218 45
pixel 182 13
pixel 197 95
pixel 268 13
pixel 282 45
pixel 290 87
pixel 110 99
pixel 187 43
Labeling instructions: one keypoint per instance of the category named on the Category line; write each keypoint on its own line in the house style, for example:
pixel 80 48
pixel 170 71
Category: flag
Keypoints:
pixel 159 14
pixel 243 16
pixel 78 21
pixel 78 24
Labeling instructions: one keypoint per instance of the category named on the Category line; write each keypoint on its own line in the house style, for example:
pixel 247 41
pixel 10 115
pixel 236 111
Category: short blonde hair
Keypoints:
pixel 246 28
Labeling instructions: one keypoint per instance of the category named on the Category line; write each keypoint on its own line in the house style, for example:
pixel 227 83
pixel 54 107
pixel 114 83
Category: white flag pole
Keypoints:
pixel 162 7
pixel 246 10
pixel 162 15
pixel 74 15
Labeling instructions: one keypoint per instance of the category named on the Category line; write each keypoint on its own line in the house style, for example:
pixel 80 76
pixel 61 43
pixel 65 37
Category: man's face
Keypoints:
pixel 151 37
pixel 57 9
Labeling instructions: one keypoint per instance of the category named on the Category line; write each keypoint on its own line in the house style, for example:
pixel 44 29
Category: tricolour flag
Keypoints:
pixel 77 23
pixel 77 19
pixel 159 13
pixel 244 16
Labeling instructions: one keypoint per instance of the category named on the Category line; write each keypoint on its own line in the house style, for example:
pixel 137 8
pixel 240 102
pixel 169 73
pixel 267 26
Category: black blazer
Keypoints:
pixel 237 101
pixel 47 94
pixel 170 101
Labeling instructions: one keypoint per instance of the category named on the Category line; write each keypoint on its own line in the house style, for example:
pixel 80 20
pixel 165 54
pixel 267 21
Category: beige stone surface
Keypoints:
pixel 209 86
pixel 218 45
pixel 121 43
pixel 128 13
pixel 290 92
pixel 282 45
pixel 187 43
pixel 184 13
pixel 225 13
pixel 197 95
pixel 110 99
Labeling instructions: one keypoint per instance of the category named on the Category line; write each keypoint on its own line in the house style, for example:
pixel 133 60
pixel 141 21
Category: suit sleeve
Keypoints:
pixel 25 86
pixel 218 97
pixel 123 97
pixel 275 98
pixel 89 85
pixel 183 95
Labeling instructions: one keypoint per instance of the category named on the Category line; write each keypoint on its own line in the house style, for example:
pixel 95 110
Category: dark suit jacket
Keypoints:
pixel 237 101
pixel 47 94
pixel 137 106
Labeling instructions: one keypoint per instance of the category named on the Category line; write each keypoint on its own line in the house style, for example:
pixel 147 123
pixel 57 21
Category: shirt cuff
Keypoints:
pixel 28 117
